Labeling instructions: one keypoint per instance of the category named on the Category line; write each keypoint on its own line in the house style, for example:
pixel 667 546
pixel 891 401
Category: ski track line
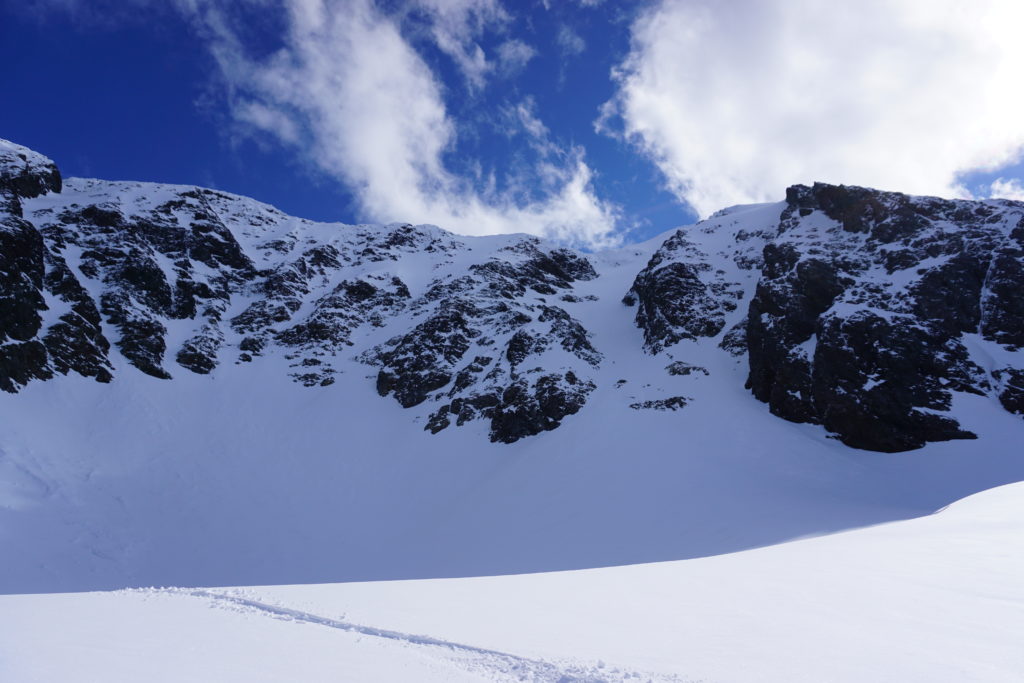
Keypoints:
pixel 495 661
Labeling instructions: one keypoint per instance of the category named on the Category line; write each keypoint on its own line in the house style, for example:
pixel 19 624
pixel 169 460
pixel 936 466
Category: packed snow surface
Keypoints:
pixel 940 598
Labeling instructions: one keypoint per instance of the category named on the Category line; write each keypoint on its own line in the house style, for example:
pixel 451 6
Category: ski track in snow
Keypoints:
pixel 490 664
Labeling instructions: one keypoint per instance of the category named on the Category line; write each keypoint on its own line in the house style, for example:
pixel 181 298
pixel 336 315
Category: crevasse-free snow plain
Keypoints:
pixel 201 391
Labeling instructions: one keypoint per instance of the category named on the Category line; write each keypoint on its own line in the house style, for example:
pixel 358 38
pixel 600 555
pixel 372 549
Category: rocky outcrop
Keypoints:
pixel 530 406
pixel 1001 314
pixel 670 403
pixel 175 279
pixel 681 295
pixel 857 322
pixel 488 341
pixel 25 173
pixel 38 338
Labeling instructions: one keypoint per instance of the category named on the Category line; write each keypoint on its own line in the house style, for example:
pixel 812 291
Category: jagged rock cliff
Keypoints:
pixel 868 306
pixel 182 279
pixel 866 312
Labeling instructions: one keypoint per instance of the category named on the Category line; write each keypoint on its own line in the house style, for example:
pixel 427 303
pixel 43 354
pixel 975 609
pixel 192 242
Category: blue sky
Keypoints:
pixel 588 121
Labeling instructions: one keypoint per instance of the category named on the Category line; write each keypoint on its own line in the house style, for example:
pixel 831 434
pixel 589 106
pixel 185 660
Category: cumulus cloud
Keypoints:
pixel 735 101
pixel 354 96
pixel 1003 188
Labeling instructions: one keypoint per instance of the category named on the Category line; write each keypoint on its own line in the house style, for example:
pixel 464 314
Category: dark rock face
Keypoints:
pixel 141 338
pixel 423 360
pixel 1002 306
pixel 26 174
pixel 797 292
pixel 21 363
pixel 153 271
pixel 681 369
pixel 875 382
pixel 171 262
pixel 734 341
pixel 679 295
pixel 1011 389
pixel 75 341
pixel 21 269
pixel 199 354
pixel 1002 315
pixel 670 403
pixel 858 320
pixel 530 408
pixel 486 345
pixel 127 263
pixel 29 273
pixel 182 279
pixel 333 320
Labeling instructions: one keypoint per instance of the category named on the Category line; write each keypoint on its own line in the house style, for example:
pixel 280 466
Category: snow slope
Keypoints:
pixel 243 476
pixel 940 598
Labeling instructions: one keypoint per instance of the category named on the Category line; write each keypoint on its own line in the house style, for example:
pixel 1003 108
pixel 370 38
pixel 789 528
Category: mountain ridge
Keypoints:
pixel 860 304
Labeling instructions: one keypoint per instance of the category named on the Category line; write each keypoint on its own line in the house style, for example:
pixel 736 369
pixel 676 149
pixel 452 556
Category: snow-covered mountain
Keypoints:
pixel 199 390
pixel 859 310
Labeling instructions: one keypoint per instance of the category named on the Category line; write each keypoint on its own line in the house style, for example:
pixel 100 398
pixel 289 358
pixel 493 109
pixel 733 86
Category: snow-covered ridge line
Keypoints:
pixel 171 279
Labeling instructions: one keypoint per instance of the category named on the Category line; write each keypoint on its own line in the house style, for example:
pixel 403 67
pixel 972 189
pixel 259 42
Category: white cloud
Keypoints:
pixel 582 3
pixel 570 42
pixel 735 101
pixel 1003 188
pixel 263 117
pixel 514 55
pixel 553 166
pixel 525 114
pixel 456 24
pixel 372 115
